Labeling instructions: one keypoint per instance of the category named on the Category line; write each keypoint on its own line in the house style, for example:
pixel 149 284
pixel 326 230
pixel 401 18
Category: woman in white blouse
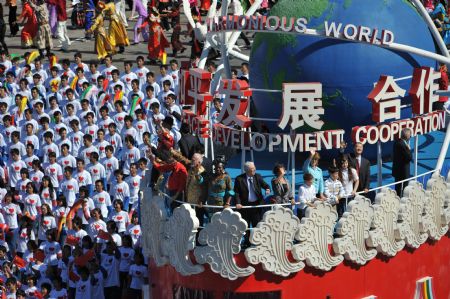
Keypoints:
pixel 350 180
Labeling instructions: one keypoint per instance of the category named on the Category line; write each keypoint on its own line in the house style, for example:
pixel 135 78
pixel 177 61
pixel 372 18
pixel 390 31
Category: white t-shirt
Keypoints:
pixel 126 258
pixel 139 274
pixel 121 219
pixel 102 201
pixel 111 264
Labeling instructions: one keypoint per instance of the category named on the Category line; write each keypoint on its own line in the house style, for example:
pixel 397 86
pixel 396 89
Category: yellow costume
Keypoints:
pixel 117 32
pixel 103 45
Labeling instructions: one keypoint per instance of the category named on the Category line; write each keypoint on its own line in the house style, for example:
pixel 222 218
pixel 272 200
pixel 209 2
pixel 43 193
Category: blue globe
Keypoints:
pixel 346 70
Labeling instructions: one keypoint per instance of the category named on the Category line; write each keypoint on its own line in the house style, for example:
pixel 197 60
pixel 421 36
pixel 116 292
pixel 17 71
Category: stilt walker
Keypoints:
pixel 177 46
pixel 61 31
pixel 103 45
pixel 30 27
pixel 89 8
pixel 120 9
pixel 116 32
pixel 52 18
pixel 44 35
pixel 141 10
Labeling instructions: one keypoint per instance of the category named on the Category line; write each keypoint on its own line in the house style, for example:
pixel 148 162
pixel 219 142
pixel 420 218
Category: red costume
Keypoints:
pixel 157 41
pixel 30 28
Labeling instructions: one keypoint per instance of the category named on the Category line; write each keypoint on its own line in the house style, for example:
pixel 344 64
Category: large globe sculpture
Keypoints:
pixel 346 70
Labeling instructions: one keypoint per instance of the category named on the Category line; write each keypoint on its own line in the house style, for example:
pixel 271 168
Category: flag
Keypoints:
pixel 39 255
pixel 164 57
pixel 135 101
pixel 74 82
pixel 72 240
pixel 62 221
pixel 52 59
pixel 23 105
pixel 33 55
pixel 74 277
pixel 86 93
pixel 104 98
pixel 85 258
pixel 103 235
pixel 105 84
pixel 19 262
pixel 54 84
pixel 118 96
pixel 9 88
pixel 424 288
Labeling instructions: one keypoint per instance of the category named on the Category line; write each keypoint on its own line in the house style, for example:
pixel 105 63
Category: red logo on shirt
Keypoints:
pixel 46 195
pixel 131 156
pixel 80 178
pixel 11 210
pixel 46 222
pixel 120 119
pixel 119 218
pixel 95 170
pixel 109 165
pixel 31 201
pixel 139 127
pixel 101 199
pixel 102 148
pixel 66 162
pixel 120 190
pixel 70 187
pixel 16 168
pixel 135 231
pixel 91 132
pixel 135 184
pixel 52 170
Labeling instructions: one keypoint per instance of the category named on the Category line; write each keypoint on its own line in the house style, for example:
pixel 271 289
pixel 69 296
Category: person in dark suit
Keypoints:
pixel 358 162
pixel 401 160
pixel 188 143
pixel 248 192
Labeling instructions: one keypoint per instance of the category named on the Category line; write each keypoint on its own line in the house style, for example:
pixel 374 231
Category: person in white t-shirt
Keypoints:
pixel 101 199
pixel 138 273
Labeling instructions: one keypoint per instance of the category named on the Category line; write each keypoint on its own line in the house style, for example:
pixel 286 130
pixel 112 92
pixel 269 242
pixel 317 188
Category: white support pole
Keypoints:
pixel 379 164
pixel 444 148
pixel 293 172
pixel 416 154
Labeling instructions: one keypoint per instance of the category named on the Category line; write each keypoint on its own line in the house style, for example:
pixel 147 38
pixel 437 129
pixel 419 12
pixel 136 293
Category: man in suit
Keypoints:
pixel 401 160
pixel 248 192
pixel 361 164
pixel 188 142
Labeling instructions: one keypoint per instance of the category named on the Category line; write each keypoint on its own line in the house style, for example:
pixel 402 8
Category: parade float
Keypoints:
pixel 321 72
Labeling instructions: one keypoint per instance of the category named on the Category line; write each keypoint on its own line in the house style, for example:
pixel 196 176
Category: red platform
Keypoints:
pixel 383 277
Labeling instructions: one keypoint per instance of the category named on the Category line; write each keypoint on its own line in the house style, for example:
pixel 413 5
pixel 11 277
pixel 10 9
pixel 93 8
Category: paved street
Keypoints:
pixel 86 47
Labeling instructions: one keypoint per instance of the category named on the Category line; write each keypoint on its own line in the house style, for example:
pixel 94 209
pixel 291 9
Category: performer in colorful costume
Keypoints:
pixel 30 27
pixel 103 45
pixel 139 7
pixel 157 41
pixel 117 32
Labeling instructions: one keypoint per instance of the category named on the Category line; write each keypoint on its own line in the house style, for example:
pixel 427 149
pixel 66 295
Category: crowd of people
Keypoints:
pixel 79 142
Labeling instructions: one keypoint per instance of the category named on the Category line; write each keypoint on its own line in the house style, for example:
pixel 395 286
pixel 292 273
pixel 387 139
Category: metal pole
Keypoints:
pixel 379 164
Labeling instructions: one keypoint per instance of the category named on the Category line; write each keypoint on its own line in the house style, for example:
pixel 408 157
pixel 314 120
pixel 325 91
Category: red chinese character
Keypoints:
pixel 235 104
pixel 385 98
pixel 423 88
pixel 200 82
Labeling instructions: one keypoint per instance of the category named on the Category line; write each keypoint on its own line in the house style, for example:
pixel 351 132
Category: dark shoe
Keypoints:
pixel 121 49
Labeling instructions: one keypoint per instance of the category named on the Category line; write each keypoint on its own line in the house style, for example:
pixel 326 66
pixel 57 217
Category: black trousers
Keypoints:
pixel 2 37
pixel 252 217
pixel 12 20
pixel 399 187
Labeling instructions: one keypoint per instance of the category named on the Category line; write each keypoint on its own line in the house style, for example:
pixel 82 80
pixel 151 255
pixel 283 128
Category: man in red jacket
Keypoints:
pixel 176 182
